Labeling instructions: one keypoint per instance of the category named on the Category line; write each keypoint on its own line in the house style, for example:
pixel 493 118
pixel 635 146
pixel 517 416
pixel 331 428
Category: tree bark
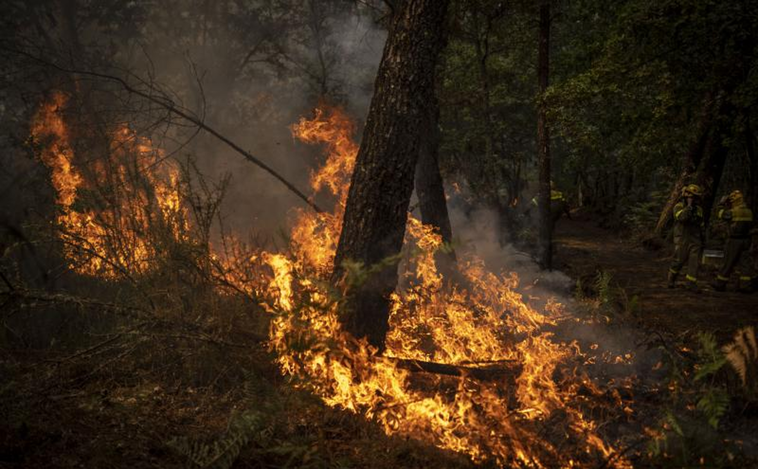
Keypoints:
pixel 690 161
pixel 711 170
pixel 543 142
pixel 712 164
pixel 752 191
pixel 382 183
pixel 431 192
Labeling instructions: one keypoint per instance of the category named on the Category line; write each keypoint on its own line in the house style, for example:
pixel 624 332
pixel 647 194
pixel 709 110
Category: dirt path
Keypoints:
pixel 582 249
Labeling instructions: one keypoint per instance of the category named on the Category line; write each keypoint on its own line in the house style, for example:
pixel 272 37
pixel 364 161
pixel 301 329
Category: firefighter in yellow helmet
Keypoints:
pixel 688 236
pixel 736 213
pixel 558 205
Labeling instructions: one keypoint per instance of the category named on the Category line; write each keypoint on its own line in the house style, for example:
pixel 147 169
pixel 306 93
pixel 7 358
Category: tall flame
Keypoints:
pixel 315 237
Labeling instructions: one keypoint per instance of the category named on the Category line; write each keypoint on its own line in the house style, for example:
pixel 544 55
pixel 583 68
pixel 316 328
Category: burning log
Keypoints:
pixel 504 369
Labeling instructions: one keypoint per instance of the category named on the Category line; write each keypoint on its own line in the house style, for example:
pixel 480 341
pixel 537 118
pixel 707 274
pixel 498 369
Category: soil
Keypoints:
pixel 582 249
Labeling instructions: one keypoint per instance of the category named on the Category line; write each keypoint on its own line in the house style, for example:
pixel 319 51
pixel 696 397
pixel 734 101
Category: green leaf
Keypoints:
pixel 714 405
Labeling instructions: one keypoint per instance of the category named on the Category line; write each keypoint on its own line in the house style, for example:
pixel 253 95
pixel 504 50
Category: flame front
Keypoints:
pixel 431 320
pixel 481 323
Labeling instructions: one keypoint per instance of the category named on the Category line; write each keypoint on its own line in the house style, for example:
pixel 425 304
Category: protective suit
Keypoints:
pixel 688 236
pixel 736 213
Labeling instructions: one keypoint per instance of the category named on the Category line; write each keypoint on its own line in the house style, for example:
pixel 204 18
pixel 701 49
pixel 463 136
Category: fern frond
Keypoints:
pixel 714 405
pixel 736 358
pixel 749 333
pixel 222 453
pixel 742 354
pixel 673 423
pixel 711 358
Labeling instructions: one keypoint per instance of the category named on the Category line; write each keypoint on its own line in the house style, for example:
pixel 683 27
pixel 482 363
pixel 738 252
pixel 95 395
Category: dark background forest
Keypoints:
pixel 166 213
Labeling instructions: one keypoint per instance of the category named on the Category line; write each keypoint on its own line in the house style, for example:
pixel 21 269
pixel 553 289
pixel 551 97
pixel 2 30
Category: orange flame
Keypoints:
pixel 315 237
pixel 138 191
pixel 429 321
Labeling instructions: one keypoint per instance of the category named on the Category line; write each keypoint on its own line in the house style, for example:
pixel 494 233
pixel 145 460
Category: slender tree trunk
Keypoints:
pixel 712 164
pixel 431 192
pixel 543 142
pixel 711 170
pixel 485 167
pixel 690 161
pixel 382 183
pixel 752 191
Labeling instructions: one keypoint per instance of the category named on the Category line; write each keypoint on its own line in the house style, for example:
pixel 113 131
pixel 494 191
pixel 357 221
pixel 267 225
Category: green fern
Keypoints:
pixel 222 453
pixel 603 286
pixel 713 404
pixel 710 357
pixel 673 422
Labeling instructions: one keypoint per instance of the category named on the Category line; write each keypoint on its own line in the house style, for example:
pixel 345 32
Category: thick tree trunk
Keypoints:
pixel 431 192
pixel 382 183
pixel 543 142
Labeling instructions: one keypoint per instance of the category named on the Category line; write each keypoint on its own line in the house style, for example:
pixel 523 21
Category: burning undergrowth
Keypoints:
pixel 517 383
pixel 470 366
pixel 138 195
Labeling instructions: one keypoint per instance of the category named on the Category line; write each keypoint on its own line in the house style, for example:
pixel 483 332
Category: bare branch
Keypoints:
pixel 169 105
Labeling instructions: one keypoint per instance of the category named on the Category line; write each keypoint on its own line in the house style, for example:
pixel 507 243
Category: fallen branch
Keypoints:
pixel 508 369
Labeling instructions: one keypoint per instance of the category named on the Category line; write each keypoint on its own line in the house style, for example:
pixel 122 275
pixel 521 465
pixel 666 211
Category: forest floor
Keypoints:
pixel 132 400
pixel 582 249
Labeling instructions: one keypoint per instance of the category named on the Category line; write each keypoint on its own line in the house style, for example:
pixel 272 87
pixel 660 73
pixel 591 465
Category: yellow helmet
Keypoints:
pixel 735 198
pixel 692 189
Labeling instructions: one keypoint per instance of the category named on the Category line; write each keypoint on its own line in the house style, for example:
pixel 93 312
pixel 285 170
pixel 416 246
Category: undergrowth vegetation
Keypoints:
pixel 165 367
pixel 708 385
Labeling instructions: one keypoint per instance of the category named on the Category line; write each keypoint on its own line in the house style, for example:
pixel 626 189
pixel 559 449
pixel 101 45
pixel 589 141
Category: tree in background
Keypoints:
pixel 545 248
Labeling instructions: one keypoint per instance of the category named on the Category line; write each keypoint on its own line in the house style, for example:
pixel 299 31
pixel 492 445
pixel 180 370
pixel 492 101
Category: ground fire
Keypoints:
pixel 486 326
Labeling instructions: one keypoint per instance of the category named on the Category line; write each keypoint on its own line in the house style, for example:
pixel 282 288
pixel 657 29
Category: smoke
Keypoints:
pixel 479 231
pixel 620 349
pixel 254 77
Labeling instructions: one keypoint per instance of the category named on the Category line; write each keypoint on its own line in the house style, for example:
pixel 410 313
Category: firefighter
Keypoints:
pixel 558 205
pixel 688 236
pixel 734 211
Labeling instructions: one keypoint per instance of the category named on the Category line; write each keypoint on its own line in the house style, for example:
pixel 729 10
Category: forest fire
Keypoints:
pixel 483 326
pixel 528 239
pixel 430 321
